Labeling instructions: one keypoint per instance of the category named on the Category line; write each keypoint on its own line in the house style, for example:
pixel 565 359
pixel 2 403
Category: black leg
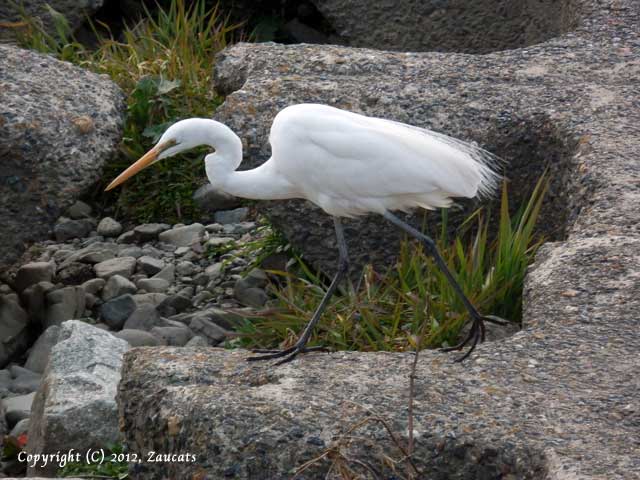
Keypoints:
pixel 300 346
pixel 477 331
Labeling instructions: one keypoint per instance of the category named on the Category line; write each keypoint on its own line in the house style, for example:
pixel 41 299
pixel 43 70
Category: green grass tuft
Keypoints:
pixel 387 312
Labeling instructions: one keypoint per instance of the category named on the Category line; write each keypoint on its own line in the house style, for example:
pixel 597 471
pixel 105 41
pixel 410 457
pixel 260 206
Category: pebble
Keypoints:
pixel 149 231
pixel 17 408
pixel 94 286
pixel 116 311
pixel 167 273
pixel 231 216
pixel 32 273
pixel 24 380
pixel 145 317
pixel 173 336
pixel 70 229
pixel 185 268
pixel 183 236
pixel 79 210
pixel 153 285
pixel 150 264
pixel 75 273
pixel 138 338
pixel 108 227
pixel 116 286
pixel 41 350
pixel 219 241
pixel 116 266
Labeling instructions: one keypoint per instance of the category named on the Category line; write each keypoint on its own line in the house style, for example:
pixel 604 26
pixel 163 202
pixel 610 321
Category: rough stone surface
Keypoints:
pixel 453 26
pixel 54 141
pixel 557 400
pixel 73 10
pixel 209 199
pixel 75 405
pixel 70 229
pixel 153 285
pixel 516 103
pixel 150 265
pixel 174 336
pixel 41 350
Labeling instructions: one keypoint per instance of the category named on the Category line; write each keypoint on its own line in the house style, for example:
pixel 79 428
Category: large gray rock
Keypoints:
pixel 116 286
pixel 14 332
pixel 74 11
pixel 75 405
pixel 55 141
pixel 480 26
pixel 116 311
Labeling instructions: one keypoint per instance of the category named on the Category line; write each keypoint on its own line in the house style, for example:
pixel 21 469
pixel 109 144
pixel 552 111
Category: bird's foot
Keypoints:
pixel 476 335
pixel 287 354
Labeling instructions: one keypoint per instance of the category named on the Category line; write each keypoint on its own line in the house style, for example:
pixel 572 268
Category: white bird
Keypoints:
pixel 348 164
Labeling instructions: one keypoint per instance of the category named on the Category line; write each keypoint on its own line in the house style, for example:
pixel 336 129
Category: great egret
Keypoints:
pixel 347 164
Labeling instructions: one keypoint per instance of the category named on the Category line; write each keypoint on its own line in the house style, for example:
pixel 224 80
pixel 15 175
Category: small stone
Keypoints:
pixel 167 273
pixel 116 286
pixel 24 380
pixel 201 279
pixel 186 268
pixel 153 299
pixel 214 271
pixel 231 216
pixel 219 241
pixel 108 227
pixel 64 304
pixel 39 354
pixel 207 329
pixel 153 285
pixel 201 297
pixel 138 338
pixel 17 408
pixel 95 255
pixel 75 273
pixel 130 251
pixel 182 250
pixel 174 304
pixel 94 286
pixel 150 265
pixel 20 428
pixel 197 341
pixel 116 266
pixel 116 311
pixel 79 210
pixel 127 237
pixel 256 278
pixel 32 273
pixel 183 236
pixel 71 229
pixel 149 231
pixel 173 336
pixel 34 298
pixel 145 317
pixel 252 297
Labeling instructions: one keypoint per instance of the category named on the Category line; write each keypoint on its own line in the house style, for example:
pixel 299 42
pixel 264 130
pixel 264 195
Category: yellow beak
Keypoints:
pixel 147 159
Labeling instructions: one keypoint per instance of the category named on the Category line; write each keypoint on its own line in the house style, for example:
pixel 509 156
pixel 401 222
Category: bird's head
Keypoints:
pixel 179 137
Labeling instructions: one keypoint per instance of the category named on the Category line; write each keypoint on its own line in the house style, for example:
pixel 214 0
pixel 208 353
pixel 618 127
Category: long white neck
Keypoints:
pixel 261 183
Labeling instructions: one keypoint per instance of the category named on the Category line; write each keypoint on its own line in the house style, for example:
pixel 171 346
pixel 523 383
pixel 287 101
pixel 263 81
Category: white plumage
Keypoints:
pixel 347 164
